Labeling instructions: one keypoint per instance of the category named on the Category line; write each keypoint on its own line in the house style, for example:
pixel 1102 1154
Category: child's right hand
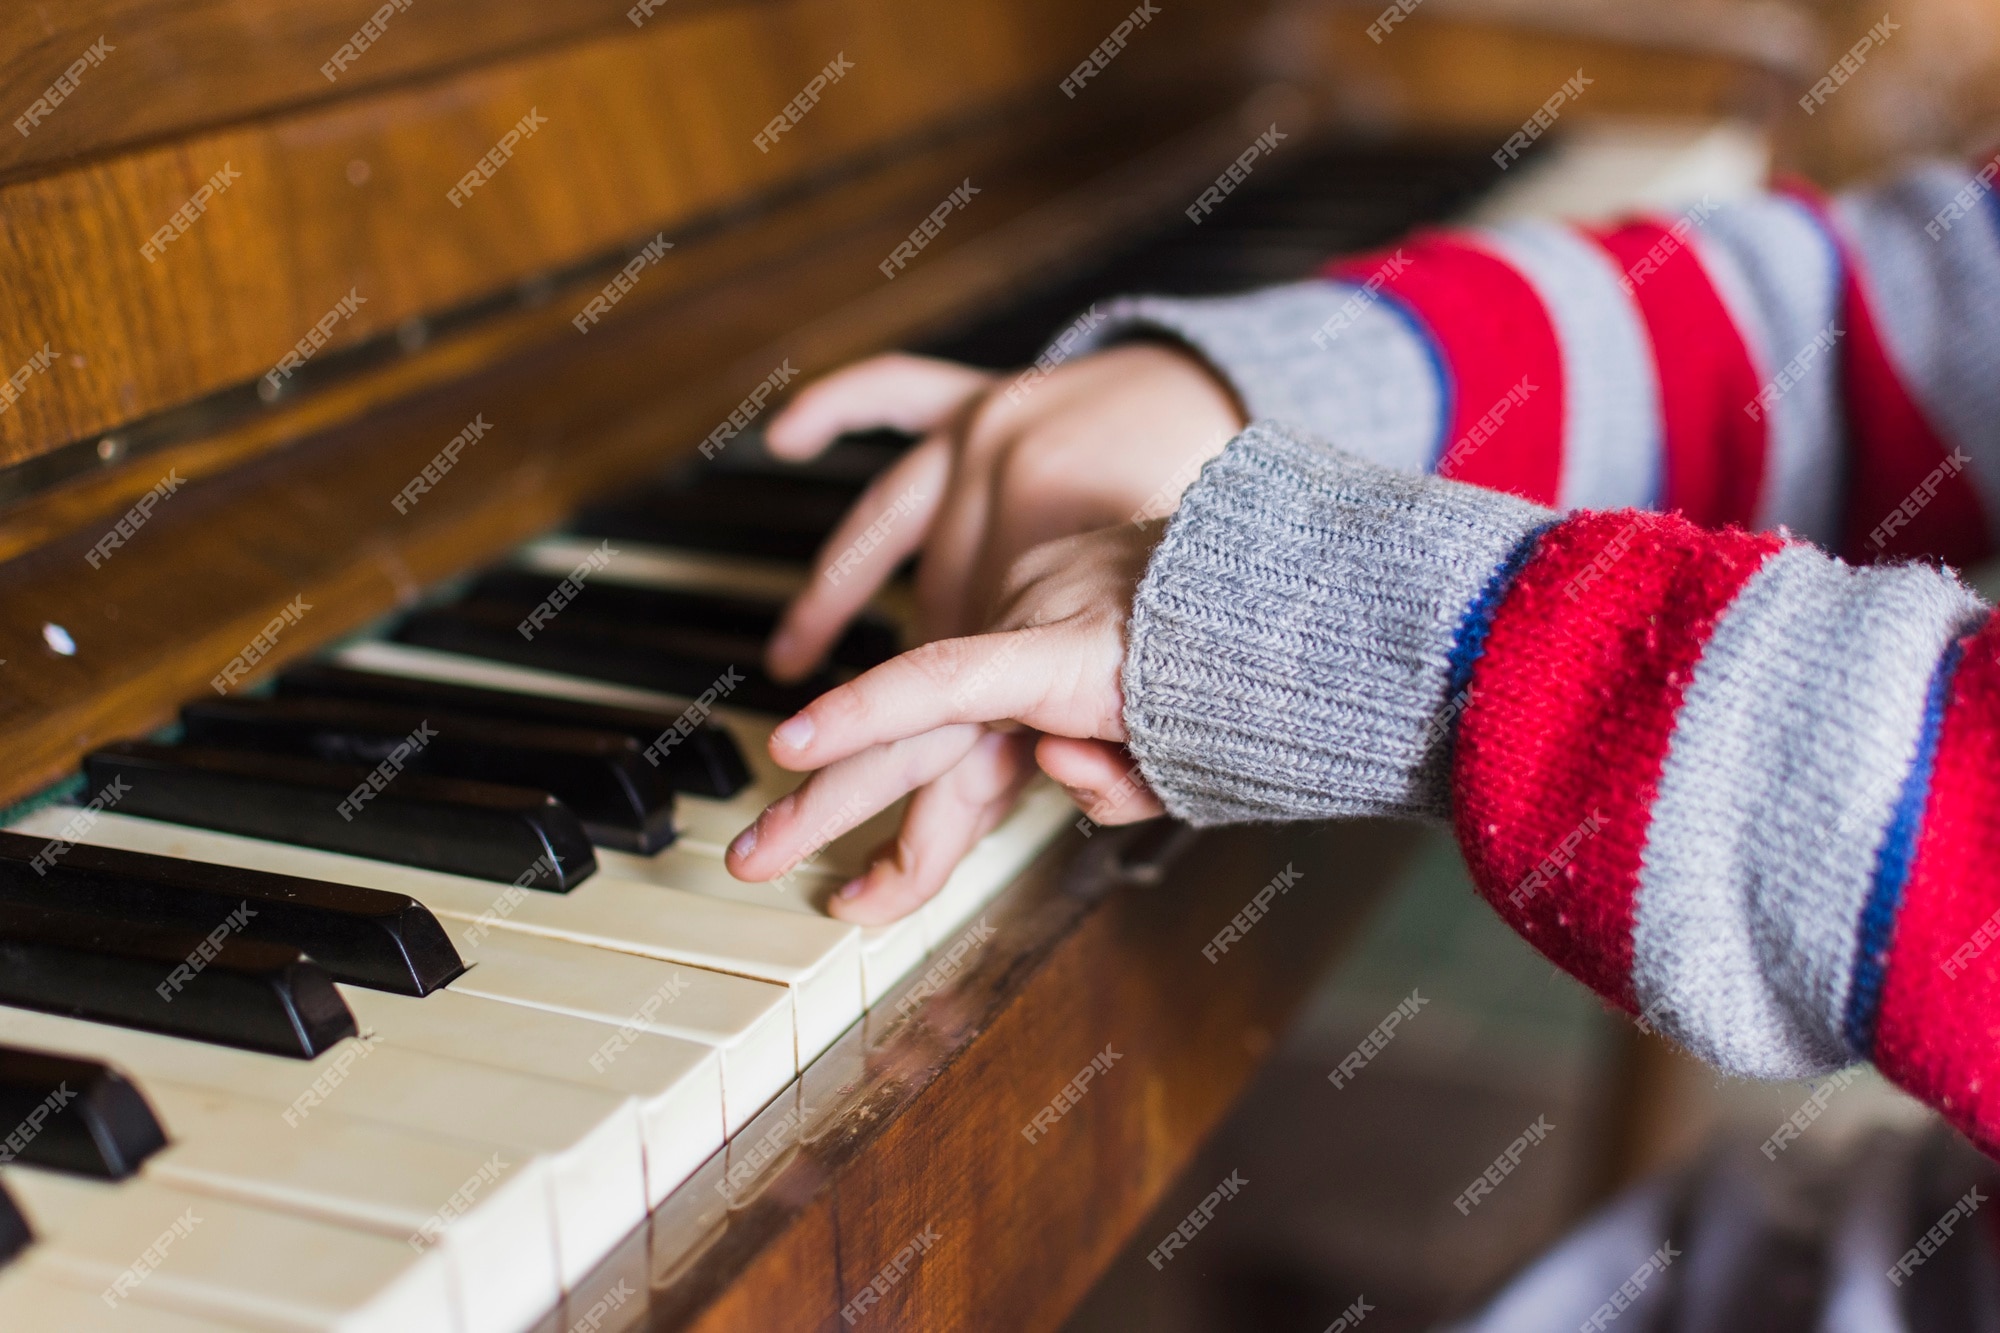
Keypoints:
pixel 1090 445
pixel 961 723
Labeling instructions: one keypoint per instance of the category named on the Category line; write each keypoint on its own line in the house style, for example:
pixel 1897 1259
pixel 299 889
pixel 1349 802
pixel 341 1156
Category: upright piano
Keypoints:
pixel 386 546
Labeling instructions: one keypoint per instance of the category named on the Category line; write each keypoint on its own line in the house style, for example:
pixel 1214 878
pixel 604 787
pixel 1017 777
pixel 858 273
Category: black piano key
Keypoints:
pixel 386 941
pixel 249 993
pixel 674 661
pixel 480 829
pixel 768 517
pixel 71 1114
pixel 15 1233
pixel 695 757
pixel 869 641
pixel 623 801
pixel 851 461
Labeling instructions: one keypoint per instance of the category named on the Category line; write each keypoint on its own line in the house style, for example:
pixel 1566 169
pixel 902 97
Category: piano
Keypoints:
pixel 387 547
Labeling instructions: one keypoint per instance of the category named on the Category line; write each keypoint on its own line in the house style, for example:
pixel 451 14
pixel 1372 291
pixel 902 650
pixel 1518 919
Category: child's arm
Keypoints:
pixel 1828 368
pixel 1736 786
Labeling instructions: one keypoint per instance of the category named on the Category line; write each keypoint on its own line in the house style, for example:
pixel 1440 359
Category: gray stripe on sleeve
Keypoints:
pixel 1611 447
pixel 1776 272
pixel 1289 645
pixel 1937 303
pixel 1787 756
pixel 1369 385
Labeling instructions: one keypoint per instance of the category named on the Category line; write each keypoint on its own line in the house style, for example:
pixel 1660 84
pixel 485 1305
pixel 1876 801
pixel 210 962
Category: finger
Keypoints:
pixel 1100 777
pixel 909 393
pixel 886 524
pixel 796 826
pixel 985 678
pixel 958 534
pixel 943 822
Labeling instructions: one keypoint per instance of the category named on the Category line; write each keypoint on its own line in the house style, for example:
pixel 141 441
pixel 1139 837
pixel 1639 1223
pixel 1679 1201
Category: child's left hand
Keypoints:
pixel 947 721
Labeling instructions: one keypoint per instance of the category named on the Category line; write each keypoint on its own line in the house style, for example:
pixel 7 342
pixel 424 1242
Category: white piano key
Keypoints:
pixel 35 1299
pixel 678 1082
pixel 997 860
pixel 402 659
pixel 159 1246
pixel 887 952
pixel 817 961
pixel 748 1023
pixel 500 1245
pixel 590 1142
pixel 647 566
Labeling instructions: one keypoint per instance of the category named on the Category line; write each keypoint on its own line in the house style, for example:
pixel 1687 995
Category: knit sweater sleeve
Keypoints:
pixel 1735 785
pixel 1829 367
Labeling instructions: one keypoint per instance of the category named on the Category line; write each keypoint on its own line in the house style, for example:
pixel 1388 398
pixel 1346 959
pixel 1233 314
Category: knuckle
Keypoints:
pixel 990 425
pixel 1041 458
pixel 939 663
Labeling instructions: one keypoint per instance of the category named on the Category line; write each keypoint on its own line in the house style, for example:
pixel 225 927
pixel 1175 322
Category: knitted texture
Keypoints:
pixel 1774 362
pixel 1733 784
pixel 1325 356
pixel 1571 710
pixel 1290 646
pixel 1939 1018
pixel 1727 781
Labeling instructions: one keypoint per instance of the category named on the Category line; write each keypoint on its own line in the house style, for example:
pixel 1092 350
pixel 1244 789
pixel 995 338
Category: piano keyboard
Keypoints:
pixel 342 1024
pixel 542 1002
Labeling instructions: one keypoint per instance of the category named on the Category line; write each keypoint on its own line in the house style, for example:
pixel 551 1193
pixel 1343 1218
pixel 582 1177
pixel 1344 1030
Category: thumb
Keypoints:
pixel 914 394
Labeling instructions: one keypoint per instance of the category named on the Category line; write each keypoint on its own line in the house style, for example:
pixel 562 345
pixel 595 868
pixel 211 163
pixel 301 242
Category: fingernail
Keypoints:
pixel 779 649
pixel 796 734
pixel 746 843
pixel 851 889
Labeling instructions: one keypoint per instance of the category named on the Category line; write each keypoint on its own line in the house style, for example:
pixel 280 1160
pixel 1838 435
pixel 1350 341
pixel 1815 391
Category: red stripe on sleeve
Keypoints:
pixel 1938 1030
pixel 1714 450
pixel 1907 493
pixel 1561 744
pixel 1491 331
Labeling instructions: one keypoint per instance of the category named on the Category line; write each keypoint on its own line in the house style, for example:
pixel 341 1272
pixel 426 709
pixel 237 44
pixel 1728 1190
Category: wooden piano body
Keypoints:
pixel 273 279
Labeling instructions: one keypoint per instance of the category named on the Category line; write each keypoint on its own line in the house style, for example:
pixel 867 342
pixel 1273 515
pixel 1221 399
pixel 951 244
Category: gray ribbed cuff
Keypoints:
pixel 1289 646
pixel 1326 356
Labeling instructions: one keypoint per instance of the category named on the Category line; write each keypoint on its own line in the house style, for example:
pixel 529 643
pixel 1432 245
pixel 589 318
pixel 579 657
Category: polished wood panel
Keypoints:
pixel 178 66
pixel 644 132
pixel 917 1123
pixel 1486 68
pixel 570 415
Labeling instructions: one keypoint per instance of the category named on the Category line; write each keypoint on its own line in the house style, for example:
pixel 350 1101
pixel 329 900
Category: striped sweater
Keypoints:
pixel 1745 790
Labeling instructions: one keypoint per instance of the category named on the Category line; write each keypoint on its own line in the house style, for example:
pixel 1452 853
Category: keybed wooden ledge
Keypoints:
pixel 913 1120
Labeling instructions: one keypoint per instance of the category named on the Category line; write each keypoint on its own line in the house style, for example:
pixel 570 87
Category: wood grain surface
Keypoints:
pixel 634 133
pixel 180 66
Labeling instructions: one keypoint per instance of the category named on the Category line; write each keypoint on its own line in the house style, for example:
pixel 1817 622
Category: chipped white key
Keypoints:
pixel 678 1082
pixel 748 1023
pixel 589 1141
pixel 155 1245
pixel 817 959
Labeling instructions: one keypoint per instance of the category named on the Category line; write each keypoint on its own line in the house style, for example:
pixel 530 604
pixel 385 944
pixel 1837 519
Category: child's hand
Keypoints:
pixel 946 721
pixel 1004 466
